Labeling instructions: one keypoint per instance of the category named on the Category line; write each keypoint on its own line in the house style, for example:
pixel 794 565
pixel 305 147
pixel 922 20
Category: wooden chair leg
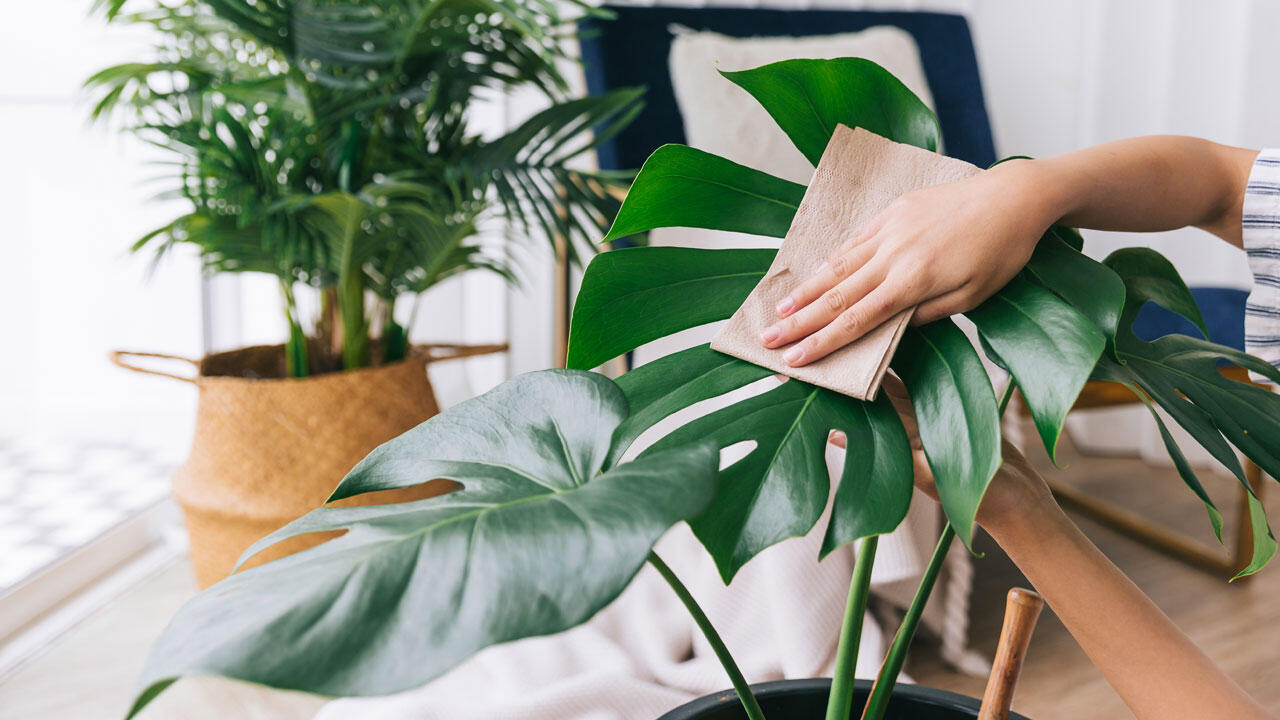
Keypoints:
pixel 1126 522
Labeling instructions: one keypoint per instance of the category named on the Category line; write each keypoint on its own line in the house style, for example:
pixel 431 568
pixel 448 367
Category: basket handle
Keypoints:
pixel 448 351
pixel 118 358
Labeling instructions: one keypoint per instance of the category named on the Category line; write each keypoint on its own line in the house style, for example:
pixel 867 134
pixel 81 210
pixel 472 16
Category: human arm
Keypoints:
pixel 1155 669
pixel 946 248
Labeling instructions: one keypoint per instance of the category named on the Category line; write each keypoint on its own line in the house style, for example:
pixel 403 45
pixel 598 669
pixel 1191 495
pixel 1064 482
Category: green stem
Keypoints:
pixel 355 331
pixel 295 350
pixel 840 701
pixel 878 702
pixel 740 685
pixel 883 688
pixel 1005 397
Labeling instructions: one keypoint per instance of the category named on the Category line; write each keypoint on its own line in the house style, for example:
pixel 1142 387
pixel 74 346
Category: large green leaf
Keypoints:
pixel 669 384
pixel 1150 277
pixel 874 493
pixel 632 296
pixel 683 187
pixel 1182 375
pixel 1089 286
pixel 1193 420
pixel 1048 347
pixel 956 411
pixel 537 541
pixel 808 98
pixel 779 489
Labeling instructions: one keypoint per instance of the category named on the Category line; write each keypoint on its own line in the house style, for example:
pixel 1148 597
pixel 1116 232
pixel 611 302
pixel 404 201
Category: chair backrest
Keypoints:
pixel 632 50
pixel 1222 308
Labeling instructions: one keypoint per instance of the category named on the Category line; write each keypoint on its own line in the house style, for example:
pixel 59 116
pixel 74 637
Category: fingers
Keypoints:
pixel 843 263
pixel 821 313
pixel 962 299
pixel 860 318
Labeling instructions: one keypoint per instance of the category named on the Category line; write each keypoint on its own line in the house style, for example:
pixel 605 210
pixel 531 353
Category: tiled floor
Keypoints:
pixel 89 673
pixel 57 495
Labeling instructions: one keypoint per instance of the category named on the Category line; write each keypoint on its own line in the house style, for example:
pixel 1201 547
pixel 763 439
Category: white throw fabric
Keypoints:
pixel 780 618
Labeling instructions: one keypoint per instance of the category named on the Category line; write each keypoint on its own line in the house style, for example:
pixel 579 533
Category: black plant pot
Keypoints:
pixel 807 700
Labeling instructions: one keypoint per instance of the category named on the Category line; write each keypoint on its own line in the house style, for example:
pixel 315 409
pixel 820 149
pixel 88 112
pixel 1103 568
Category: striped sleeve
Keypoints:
pixel 1261 223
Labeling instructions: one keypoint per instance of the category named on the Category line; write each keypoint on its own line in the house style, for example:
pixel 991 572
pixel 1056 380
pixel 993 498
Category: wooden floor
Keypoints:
pixel 1237 624
pixel 89 672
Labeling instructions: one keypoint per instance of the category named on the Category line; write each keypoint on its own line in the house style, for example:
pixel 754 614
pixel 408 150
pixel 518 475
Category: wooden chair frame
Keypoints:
pixel 1098 394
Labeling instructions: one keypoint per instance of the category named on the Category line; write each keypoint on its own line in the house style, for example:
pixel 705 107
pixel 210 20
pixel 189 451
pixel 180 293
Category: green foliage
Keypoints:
pixel 1181 375
pixel 715 193
pixel 659 291
pixel 333 144
pixel 1038 335
pixel 808 98
pixel 956 413
pixel 549 527
pixel 1050 327
pixel 544 533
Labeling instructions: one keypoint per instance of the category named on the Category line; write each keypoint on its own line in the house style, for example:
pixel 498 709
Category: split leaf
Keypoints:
pixel 957 415
pixel 633 296
pixel 808 98
pixel 1048 347
pixel 533 544
pixel 683 187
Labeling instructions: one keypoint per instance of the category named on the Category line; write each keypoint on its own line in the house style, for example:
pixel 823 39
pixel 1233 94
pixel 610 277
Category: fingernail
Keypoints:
pixel 769 335
pixel 793 356
pixel 785 307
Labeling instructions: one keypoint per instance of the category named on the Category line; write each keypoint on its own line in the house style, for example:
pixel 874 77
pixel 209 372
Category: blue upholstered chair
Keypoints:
pixel 633 48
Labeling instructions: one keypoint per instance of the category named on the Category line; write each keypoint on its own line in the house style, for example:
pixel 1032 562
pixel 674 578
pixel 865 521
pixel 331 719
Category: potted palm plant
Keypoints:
pixel 550 524
pixel 335 147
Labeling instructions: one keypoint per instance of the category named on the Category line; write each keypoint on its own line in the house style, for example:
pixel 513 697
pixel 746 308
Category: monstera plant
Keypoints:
pixel 549 524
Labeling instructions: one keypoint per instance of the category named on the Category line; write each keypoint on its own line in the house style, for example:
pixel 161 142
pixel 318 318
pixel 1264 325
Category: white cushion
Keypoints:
pixel 722 118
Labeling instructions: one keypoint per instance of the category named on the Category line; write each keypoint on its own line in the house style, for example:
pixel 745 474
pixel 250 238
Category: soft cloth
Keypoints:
pixel 860 174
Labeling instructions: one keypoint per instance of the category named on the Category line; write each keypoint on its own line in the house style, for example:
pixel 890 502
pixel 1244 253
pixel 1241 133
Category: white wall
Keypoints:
pixel 72 200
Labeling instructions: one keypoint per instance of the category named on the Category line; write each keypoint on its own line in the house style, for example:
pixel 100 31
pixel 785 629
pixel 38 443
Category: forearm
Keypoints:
pixel 1157 671
pixel 1143 184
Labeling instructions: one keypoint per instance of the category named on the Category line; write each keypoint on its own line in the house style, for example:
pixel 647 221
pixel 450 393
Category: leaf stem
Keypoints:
pixel 840 701
pixel 1005 397
pixel 878 701
pixel 740 685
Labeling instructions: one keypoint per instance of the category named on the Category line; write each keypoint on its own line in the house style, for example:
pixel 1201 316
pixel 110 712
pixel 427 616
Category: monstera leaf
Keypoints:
pixel 633 296
pixel 1182 375
pixel 780 488
pixel 1040 337
pixel 656 291
pixel 543 534
pixel 714 193
pixel 808 98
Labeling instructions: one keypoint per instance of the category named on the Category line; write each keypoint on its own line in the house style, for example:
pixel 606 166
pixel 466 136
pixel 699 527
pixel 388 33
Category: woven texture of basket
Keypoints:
pixel 268 449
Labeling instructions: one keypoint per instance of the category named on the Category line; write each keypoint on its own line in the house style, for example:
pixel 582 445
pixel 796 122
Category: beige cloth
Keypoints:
pixel 860 174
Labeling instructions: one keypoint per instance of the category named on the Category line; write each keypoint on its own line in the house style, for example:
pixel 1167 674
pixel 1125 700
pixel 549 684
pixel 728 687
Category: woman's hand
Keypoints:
pixel 1016 487
pixel 942 250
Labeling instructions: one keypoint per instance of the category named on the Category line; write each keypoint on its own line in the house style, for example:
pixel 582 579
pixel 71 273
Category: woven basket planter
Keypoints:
pixel 268 449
